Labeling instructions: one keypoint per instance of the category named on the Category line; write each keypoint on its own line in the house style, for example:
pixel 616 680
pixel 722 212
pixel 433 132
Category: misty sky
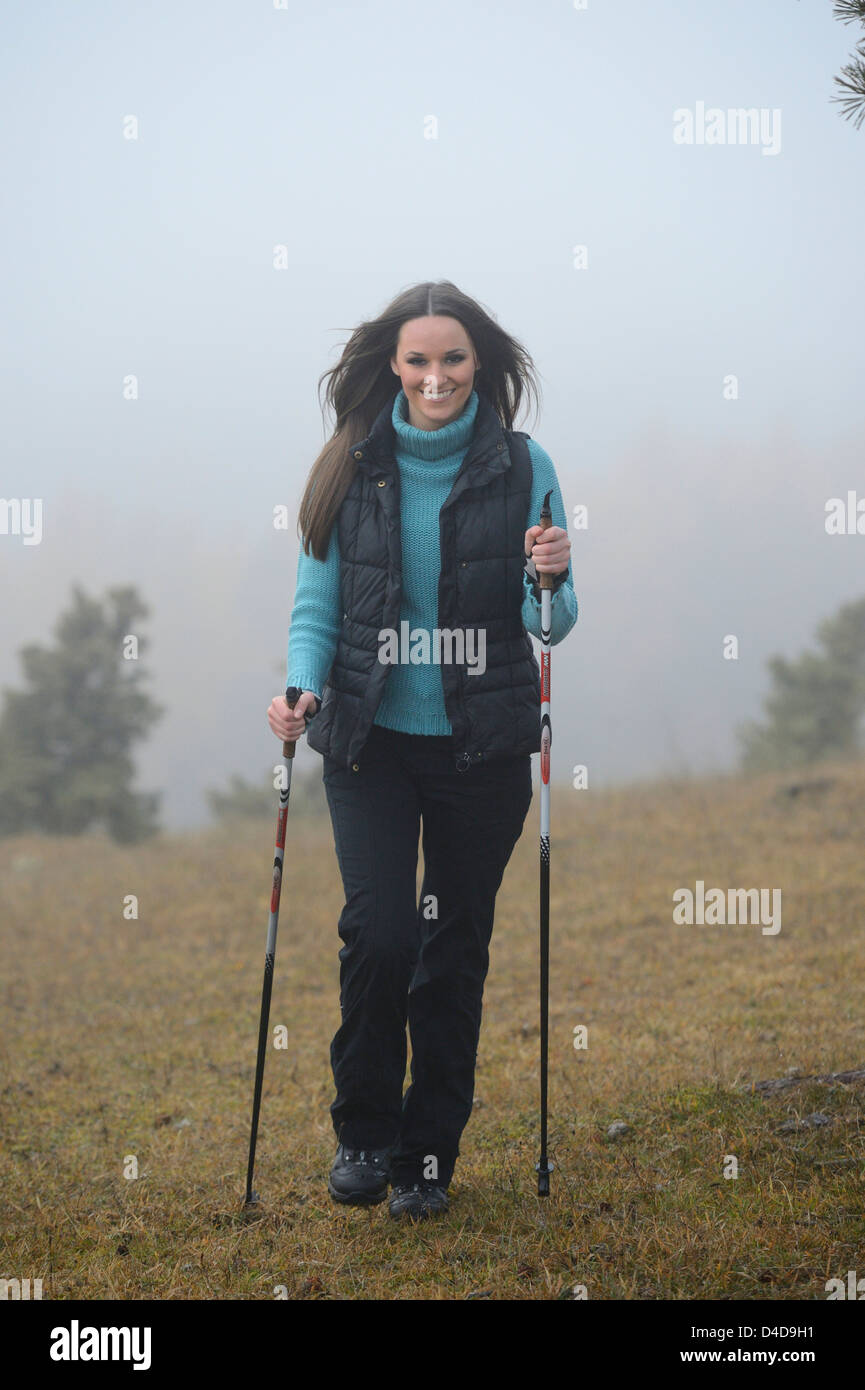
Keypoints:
pixel 304 127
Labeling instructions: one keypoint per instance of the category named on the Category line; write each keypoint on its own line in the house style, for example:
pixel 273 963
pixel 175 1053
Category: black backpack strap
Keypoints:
pixel 519 449
pixel 522 460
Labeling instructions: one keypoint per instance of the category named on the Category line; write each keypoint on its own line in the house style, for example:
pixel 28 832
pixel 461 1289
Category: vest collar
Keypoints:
pixel 486 455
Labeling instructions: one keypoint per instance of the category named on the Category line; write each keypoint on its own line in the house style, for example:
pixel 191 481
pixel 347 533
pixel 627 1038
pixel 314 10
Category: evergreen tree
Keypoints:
pixel 816 706
pixel 852 83
pixel 65 741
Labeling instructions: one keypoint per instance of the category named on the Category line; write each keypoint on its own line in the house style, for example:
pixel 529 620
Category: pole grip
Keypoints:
pixel 292 695
pixel 545 520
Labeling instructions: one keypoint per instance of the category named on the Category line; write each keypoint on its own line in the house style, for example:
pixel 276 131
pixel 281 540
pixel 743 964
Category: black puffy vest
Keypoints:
pixel 482 526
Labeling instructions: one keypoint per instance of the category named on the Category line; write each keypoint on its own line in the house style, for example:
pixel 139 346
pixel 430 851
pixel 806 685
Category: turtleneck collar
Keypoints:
pixel 450 439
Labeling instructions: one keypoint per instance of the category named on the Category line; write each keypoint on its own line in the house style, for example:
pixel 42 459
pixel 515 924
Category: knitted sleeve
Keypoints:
pixel 563 601
pixel 316 618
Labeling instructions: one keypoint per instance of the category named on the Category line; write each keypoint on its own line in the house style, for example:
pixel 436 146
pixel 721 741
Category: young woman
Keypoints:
pixel 416 587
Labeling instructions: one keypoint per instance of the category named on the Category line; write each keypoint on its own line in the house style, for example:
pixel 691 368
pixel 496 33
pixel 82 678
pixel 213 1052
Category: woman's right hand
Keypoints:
pixel 289 724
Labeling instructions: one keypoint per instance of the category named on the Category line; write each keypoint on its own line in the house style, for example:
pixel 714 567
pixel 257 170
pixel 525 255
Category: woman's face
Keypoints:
pixel 436 363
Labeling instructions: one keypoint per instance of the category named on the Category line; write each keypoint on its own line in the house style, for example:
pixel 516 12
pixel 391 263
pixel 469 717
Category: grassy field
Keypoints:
pixel 136 1039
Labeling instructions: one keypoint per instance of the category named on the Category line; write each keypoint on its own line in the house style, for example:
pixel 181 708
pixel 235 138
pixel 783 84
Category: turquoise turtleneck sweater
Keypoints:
pixel 428 462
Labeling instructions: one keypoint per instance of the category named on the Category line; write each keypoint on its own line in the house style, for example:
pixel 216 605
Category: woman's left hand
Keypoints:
pixel 550 549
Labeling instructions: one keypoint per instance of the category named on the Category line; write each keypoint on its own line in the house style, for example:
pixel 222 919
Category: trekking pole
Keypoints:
pixel 545 581
pixel 292 695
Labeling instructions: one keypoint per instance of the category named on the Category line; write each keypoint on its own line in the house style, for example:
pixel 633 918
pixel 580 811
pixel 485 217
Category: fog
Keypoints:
pixel 700 358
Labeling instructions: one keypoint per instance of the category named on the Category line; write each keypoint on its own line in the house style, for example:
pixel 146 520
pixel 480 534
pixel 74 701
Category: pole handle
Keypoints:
pixel 545 521
pixel 292 695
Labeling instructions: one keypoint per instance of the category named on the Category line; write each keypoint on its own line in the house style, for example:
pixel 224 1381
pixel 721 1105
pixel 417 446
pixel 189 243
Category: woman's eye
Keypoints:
pixel 419 361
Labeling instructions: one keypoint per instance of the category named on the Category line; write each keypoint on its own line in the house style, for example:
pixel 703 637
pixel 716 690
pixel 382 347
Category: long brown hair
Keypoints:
pixel 362 383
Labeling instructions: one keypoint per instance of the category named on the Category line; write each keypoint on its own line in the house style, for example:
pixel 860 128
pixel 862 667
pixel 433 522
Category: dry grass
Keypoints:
pixel 138 1038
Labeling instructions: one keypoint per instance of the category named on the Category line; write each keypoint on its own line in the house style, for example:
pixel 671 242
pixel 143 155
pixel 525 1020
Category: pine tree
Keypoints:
pixel 815 709
pixel 65 740
pixel 852 83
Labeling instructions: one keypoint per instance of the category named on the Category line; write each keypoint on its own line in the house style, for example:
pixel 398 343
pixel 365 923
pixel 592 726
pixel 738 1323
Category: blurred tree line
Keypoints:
pixel 815 706
pixel 242 799
pixel 66 738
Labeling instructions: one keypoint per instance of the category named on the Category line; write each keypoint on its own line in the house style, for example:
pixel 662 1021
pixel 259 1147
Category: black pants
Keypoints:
pixel 418 963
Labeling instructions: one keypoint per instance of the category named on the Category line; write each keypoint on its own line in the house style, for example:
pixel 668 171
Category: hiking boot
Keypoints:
pixel 359 1177
pixel 417 1201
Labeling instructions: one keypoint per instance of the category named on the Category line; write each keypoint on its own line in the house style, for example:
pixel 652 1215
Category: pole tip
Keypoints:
pixel 543 1173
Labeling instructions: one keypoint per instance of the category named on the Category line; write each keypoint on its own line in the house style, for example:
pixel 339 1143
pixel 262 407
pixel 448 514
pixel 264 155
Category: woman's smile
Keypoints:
pixel 430 394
